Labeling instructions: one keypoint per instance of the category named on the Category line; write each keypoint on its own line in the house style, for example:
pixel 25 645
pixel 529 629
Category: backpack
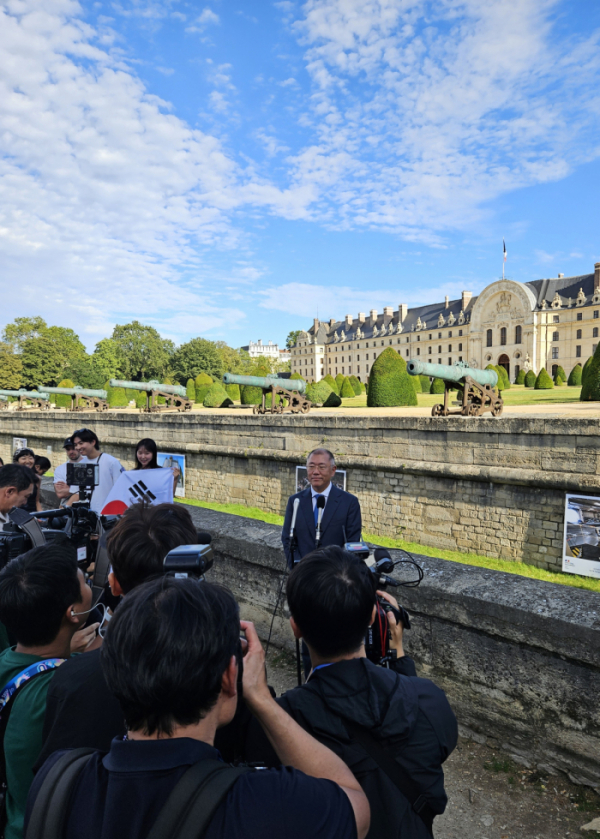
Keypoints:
pixel 8 695
pixel 185 815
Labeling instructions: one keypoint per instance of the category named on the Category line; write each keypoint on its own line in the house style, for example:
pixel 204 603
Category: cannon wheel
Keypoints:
pixel 497 409
pixel 437 411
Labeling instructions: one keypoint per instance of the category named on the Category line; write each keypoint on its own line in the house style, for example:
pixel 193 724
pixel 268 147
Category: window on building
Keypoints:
pixel 579 315
pixel 429 351
pixel 439 349
pixel 418 350
pixel 358 369
pixel 439 334
pixel 488 341
pixel 342 359
pixel 578 351
pixel 358 358
pixel 407 340
pixel 439 360
pixel 460 357
pixel 449 361
pixel 449 347
pixel 554 352
pixel 418 337
pixel 374 356
pixel 460 333
pixel 595 332
pixel 596 313
pixel 382 343
pixel 450 334
pixel 503 336
pixel 430 337
pixel 398 341
pixel 343 371
pixel 367 356
pixel 579 334
pixel 367 368
pixel 390 342
pixel 407 353
pixel 460 347
pixel 336 371
pixel 555 336
pixel 555 318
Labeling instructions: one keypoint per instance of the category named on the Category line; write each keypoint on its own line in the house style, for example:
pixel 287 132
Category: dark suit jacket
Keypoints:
pixel 341 511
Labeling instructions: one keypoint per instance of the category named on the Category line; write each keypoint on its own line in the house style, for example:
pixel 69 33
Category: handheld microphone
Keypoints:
pixel 294 514
pixel 320 508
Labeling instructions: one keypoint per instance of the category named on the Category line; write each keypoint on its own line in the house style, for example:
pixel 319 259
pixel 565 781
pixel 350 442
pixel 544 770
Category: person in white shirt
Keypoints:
pixel 16 485
pixel 67 494
pixel 88 446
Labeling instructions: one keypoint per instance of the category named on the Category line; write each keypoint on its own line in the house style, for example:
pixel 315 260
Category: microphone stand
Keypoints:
pixel 293 546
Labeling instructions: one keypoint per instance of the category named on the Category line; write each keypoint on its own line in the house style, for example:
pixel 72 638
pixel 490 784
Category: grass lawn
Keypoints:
pixel 517 568
pixel 517 395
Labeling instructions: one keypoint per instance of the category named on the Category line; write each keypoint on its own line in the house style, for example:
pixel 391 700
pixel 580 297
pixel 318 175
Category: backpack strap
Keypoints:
pixel 396 773
pixel 193 801
pixel 50 810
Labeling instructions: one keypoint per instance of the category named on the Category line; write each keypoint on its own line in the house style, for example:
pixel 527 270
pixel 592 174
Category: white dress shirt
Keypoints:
pixel 325 494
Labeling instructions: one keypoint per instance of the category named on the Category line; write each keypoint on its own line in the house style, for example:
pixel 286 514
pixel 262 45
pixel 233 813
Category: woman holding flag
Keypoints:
pixel 146 454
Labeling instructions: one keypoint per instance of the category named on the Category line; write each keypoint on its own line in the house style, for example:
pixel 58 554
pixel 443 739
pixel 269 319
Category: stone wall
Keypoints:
pixel 519 659
pixel 490 486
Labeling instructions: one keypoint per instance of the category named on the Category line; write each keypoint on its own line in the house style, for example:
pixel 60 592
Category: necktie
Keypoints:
pixel 317 509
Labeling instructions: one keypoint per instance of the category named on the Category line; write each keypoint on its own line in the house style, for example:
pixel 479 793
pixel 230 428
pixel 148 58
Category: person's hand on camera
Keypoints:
pixel 62 489
pixel 396 628
pixel 83 639
pixel 254 682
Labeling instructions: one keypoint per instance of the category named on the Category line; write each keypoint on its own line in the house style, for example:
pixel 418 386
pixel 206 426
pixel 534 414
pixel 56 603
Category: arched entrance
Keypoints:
pixel 504 361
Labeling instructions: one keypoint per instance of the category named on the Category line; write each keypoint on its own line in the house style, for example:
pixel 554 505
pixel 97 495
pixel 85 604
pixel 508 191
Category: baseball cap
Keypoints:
pixel 68 444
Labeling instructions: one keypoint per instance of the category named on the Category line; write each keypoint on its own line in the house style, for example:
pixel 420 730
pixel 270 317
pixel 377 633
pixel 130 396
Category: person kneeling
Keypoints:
pixel 392 729
pixel 172 657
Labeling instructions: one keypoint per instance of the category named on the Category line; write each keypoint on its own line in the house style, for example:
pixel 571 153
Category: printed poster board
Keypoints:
pixel 19 443
pixel 581 545
pixel 339 479
pixel 178 460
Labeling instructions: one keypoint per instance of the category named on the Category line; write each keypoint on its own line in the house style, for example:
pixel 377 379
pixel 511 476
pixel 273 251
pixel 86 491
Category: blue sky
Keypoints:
pixel 227 169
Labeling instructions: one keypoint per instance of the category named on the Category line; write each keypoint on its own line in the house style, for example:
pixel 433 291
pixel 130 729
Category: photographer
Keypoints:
pixel 43 601
pixel 67 494
pixel 16 485
pixel 172 658
pixel 81 710
pixel 394 730
pixel 88 445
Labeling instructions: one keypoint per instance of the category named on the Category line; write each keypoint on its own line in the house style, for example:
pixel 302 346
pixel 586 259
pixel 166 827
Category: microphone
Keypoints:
pixel 383 561
pixel 294 514
pixel 320 508
pixel 203 538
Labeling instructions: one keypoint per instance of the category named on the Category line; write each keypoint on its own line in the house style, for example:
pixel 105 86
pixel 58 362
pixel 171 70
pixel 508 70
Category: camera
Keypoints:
pixel 86 476
pixel 190 560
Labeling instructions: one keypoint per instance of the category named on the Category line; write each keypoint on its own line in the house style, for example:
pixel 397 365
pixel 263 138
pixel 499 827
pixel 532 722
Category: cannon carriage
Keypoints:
pixel 82 399
pixel 477 389
pixel 35 399
pixel 290 393
pixel 175 396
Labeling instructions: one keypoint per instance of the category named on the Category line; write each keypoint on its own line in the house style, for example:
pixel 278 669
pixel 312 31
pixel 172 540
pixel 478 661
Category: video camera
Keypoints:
pixel 381 564
pixel 190 560
pixel 86 476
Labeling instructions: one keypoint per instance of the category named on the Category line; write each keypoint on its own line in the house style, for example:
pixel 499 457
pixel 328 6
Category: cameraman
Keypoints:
pixel 171 656
pixel 16 485
pixel 67 494
pixel 87 444
pixel 394 730
pixel 81 710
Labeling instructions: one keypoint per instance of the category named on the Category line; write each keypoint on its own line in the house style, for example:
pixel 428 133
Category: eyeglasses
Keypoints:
pixel 319 468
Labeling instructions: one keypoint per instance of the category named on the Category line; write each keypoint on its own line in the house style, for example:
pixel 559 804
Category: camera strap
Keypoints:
pixel 399 776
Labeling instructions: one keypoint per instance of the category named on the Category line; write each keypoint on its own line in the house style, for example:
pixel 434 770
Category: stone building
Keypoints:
pixel 544 323
pixel 259 350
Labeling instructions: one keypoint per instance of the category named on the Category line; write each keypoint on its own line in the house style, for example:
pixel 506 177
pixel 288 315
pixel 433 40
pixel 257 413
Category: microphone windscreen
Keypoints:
pixel 203 537
pixel 321 501
pixel 381 553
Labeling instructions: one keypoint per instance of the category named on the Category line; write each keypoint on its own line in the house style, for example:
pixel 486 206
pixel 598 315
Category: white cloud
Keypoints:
pixel 436 108
pixel 206 18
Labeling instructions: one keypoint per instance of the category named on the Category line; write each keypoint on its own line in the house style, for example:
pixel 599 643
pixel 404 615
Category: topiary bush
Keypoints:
pixel 557 381
pixel 425 384
pixel 233 391
pixel 320 393
pixel 500 383
pixel 504 376
pixel 347 391
pixel 295 375
pixel 190 389
pixel 62 400
pixel 543 381
pixel 530 379
pixel 203 382
pixel 250 395
pixel 590 391
pixel 416 383
pixel 585 369
pixel 574 379
pixel 339 380
pixel 356 385
pixel 560 372
pixel 217 397
pixel 332 383
pixel 437 386
pixel 389 383
pixel 520 380
pixel 118 398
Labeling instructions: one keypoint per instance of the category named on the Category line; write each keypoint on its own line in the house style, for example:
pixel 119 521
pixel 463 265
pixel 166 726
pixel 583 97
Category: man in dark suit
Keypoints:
pixel 341 521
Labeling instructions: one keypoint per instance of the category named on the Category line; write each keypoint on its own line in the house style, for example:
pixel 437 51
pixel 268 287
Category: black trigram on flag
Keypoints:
pixel 141 492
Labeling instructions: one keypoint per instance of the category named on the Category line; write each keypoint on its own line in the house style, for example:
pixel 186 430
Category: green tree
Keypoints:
pixel 233 361
pixel 558 381
pixel 203 382
pixel 355 385
pixel 107 359
pixel 389 383
pixel 62 400
pixel 197 356
pixel 437 386
pixel 543 381
pixel 292 337
pixel 530 379
pixel 520 380
pixel 339 380
pixel 85 373
pixel 144 354
pixel 416 383
pixel 590 391
pixel 500 384
pixel 332 383
pixel 117 398
pixel 347 391
pixel 574 379
pixel 560 372
pixel 585 369
pixel 46 357
pixel 217 397
pixel 319 393
pixel 22 329
pixel 190 389
pixel 425 384
pixel 233 391
pixel 504 376
pixel 11 368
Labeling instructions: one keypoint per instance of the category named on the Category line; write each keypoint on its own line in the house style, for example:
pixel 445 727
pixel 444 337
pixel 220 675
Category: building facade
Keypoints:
pixel 259 350
pixel 544 323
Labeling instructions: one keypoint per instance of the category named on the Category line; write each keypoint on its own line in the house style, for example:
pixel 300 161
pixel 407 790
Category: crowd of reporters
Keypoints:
pixel 124 739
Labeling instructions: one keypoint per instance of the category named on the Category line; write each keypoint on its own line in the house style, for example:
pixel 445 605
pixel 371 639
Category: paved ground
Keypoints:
pixel 491 797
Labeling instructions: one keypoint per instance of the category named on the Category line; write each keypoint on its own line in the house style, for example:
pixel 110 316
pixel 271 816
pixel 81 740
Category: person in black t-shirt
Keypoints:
pixel 171 657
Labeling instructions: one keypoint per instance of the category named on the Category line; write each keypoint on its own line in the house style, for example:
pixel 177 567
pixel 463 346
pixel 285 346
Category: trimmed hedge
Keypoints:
pixel 585 369
pixel 389 383
pixel 560 372
pixel 544 380
pixel 574 379
pixel 425 384
pixel 416 383
pixel 117 398
pixel 339 380
pixel 217 397
pixel 332 383
pixel 520 380
pixel 530 379
pixel 253 396
pixel 437 386
pixel 202 383
pixel 504 376
pixel 320 393
pixel 62 400
pixel 190 389
pixel 558 382
pixel 347 391
pixel 590 391
pixel 233 391
pixel 356 385
pixel 500 383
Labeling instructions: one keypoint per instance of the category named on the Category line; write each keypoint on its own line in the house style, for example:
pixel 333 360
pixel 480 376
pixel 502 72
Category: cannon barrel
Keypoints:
pixel 3 398
pixel 74 391
pixel 265 382
pixel 176 390
pixel 451 373
pixel 29 394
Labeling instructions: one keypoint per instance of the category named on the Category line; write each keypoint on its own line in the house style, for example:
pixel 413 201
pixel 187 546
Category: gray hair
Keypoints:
pixel 322 451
